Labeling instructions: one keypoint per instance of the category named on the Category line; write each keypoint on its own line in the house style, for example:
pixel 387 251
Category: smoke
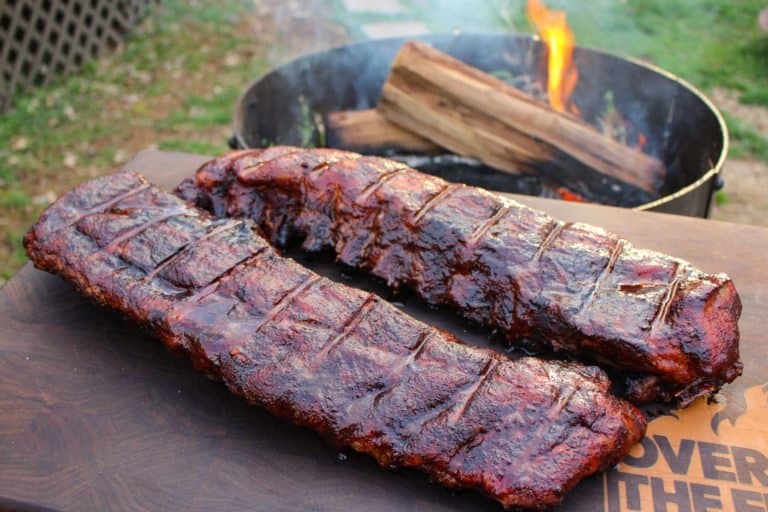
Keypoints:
pixel 603 24
pixel 476 16
pixel 292 28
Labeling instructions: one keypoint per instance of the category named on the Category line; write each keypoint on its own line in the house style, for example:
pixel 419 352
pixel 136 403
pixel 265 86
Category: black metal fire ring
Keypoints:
pixel 684 128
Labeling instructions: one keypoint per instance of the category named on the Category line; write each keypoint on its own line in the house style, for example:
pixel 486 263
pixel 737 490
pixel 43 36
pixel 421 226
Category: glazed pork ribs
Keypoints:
pixel 669 329
pixel 335 359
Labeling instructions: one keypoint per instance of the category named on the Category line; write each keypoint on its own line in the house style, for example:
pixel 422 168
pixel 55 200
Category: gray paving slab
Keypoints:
pixel 374 6
pixel 381 30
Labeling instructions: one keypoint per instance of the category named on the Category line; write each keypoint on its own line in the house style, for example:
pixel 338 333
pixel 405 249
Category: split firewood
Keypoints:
pixel 367 130
pixel 472 113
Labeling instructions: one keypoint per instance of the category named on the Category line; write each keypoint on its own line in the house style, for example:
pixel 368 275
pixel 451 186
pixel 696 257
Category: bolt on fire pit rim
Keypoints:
pixel 237 140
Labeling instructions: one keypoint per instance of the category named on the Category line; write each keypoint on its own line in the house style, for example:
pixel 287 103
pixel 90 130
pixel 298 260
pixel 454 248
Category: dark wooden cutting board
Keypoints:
pixel 96 415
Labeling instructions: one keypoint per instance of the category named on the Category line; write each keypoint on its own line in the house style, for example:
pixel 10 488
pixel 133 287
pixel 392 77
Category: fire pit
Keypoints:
pixel 681 127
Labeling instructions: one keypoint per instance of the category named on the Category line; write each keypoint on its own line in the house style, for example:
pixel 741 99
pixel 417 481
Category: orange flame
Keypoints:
pixel 558 38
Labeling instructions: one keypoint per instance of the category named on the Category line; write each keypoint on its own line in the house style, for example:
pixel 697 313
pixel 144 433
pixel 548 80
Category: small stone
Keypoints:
pixel 70 113
pixel 70 160
pixel 107 88
pixel 44 199
pixel 144 77
pixel 120 157
pixel 19 143
pixel 13 160
pixel 231 60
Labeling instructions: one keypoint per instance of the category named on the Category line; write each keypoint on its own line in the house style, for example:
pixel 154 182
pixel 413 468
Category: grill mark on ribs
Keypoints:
pixel 181 250
pixel 452 408
pixel 373 187
pixel 485 377
pixel 555 228
pixel 286 300
pixel 352 322
pixel 413 354
pixel 481 230
pixel 252 166
pixel 573 302
pixel 666 303
pixel 237 285
pixel 615 253
pixel 103 206
pixel 106 205
pixel 538 438
pixel 133 232
pixel 435 200
pixel 191 297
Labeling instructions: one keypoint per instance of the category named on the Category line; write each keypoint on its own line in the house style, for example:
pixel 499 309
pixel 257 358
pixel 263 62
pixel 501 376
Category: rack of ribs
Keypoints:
pixel 668 329
pixel 337 360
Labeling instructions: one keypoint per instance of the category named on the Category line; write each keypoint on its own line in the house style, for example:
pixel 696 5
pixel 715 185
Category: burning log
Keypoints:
pixel 367 130
pixel 475 114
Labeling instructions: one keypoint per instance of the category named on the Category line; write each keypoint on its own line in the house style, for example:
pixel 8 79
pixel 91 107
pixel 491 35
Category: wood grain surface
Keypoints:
pixel 96 415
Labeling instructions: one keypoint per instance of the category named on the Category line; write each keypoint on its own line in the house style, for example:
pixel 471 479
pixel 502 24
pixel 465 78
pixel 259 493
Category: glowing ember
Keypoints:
pixel 558 38
pixel 641 141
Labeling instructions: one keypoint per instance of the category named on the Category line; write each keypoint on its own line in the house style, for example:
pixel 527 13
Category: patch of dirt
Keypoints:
pixel 753 115
pixel 746 180
pixel 746 188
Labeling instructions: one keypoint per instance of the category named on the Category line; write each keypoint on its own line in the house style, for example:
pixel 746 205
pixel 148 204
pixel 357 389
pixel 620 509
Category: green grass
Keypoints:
pixel 203 111
pixel 755 97
pixel 202 147
pixel 721 198
pixel 710 43
pixel 169 85
pixel 707 42
pixel 14 198
pixel 17 255
pixel 745 141
pixel 66 115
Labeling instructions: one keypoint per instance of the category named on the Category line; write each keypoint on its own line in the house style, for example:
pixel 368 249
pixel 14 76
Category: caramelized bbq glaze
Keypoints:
pixel 668 327
pixel 338 360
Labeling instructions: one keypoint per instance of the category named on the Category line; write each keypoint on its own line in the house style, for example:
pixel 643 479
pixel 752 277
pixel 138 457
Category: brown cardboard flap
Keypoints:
pixel 710 456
